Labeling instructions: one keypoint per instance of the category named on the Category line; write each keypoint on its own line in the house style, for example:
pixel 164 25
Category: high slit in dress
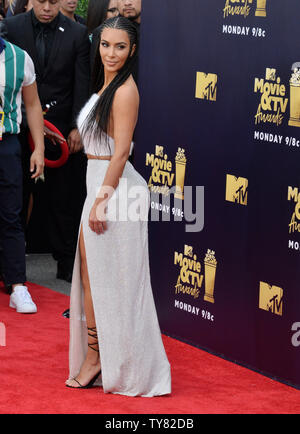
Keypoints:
pixel 133 358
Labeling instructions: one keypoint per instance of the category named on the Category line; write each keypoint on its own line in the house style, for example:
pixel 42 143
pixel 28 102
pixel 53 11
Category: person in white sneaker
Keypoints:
pixel 17 82
pixel 21 300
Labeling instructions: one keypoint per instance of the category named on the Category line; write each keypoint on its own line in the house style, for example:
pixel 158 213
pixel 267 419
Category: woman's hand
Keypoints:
pixel 97 217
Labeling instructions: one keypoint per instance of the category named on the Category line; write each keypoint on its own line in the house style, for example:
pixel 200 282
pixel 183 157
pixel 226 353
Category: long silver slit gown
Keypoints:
pixel 133 358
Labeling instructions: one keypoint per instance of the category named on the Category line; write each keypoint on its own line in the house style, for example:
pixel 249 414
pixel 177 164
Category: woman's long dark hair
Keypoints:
pixel 96 13
pixel 97 121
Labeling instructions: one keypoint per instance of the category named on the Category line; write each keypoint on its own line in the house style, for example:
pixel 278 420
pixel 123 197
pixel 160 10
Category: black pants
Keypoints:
pixel 57 204
pixel 65 191
pixel 12 239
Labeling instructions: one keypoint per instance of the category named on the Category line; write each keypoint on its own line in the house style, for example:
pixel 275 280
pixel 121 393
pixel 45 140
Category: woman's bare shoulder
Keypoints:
pixel 127 94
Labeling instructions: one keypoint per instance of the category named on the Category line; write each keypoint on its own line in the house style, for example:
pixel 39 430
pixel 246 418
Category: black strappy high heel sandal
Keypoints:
pixel 92 332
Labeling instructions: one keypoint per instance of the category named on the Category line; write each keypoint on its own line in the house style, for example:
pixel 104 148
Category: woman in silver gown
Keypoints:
pixel 115 339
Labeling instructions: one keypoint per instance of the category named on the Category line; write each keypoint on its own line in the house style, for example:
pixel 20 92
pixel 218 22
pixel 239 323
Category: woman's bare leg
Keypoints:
pixel 91 365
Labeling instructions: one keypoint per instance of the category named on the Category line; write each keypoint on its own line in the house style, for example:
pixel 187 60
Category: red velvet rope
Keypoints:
pixel 53 164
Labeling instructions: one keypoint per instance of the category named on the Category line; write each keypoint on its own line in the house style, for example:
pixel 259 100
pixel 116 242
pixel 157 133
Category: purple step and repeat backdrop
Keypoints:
pixel 218 143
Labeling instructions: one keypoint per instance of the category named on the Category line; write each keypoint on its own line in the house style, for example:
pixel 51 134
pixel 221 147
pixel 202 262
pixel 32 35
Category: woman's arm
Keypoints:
pixel 124 117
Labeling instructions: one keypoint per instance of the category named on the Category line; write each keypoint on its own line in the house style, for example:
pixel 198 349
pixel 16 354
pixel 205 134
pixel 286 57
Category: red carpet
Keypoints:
pixel 34 366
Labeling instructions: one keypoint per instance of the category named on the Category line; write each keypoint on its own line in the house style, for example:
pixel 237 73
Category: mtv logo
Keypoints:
pixel 271 74
pixel 270 298
pixel 188 251
pixel 159 151
pixel 206 86
pixel 236 189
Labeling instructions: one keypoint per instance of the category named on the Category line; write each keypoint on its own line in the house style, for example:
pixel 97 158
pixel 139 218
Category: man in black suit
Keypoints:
pixel 59 48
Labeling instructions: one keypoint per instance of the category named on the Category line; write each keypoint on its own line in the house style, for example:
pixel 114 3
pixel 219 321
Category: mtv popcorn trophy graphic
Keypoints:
pixel 180 161
pixel 210 264
pixel 295 98
pixel 261 8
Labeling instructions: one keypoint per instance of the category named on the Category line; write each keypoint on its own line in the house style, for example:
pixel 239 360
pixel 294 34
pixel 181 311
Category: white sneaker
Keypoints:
pixel 21 300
